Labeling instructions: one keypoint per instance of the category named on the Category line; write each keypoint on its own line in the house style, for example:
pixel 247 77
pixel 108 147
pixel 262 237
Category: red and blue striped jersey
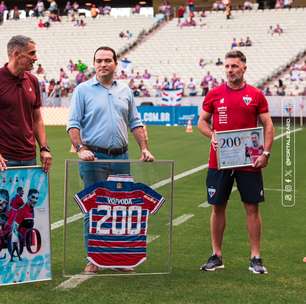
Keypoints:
pixel 118 220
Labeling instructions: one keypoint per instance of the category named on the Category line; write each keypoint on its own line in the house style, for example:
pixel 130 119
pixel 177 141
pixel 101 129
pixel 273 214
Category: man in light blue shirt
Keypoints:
pixel 102 110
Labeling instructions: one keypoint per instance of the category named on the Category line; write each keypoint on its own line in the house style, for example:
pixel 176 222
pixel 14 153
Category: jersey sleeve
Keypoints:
pixel 86 200
pixel 152 199
pixel 263 106
pixel 207 105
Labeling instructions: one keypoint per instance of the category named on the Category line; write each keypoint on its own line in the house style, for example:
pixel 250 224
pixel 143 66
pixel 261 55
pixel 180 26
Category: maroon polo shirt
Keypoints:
pixel 19 97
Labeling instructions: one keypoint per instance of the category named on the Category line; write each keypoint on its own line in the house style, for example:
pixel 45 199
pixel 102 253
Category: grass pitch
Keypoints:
pixel 283 241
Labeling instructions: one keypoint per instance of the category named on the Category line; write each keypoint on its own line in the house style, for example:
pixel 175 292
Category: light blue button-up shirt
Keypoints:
pixel 103 115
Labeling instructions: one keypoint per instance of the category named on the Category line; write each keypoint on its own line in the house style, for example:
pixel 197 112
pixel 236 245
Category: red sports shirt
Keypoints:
pixel 233 109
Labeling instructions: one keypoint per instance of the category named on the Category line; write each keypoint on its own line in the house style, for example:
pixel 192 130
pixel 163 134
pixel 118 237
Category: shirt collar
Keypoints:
pixel 95 81
pixel 8 72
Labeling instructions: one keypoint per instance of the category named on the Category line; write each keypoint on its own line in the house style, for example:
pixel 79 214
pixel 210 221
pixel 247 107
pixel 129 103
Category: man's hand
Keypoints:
pixel 85 154
pixel 2 163
pixel 213 141
pixel 146 155
pixel 46 160
pixel 261 161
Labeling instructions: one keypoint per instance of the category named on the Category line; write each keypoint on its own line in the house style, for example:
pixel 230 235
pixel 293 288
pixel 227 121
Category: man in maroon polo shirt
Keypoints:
pixel 21 120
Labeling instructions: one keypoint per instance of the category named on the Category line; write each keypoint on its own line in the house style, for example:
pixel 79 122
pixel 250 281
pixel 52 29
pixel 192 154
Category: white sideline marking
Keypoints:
pixel 70 219
pixel 78 279
pixel 159 184
pixel 181 219
pixel 74 281
pixel 273 189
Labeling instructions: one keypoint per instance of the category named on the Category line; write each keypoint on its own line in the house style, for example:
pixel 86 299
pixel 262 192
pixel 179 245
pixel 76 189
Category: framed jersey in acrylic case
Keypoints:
pixel 25 250
pixel 129 218
pixel 239 148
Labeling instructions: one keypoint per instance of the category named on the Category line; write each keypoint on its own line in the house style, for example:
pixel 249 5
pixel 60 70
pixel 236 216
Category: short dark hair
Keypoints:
pixel 106 48
pixel 255 133
pixel 18 42
pixel 236 54
pixel 32 191
pixel 19 189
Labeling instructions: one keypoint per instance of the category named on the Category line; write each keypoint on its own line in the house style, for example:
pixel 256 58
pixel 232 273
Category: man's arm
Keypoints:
pixel 2 163
pixel 205 128
pixel 83 152
pixel 139 135
pixel 267 123
pixel 41 137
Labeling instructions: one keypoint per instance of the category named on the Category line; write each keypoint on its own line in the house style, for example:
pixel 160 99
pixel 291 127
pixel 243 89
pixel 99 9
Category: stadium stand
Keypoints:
pixel 177 50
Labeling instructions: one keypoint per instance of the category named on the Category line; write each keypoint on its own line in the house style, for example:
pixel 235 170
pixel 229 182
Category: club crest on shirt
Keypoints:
pixel 247 100
pixel 211 192
pixel 222 100
pixel 119 186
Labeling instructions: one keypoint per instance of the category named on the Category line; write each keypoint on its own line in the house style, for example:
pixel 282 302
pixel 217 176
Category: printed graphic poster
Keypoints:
pixel 25 253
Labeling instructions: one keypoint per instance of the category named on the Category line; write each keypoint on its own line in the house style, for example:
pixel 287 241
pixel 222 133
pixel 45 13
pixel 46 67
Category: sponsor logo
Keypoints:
pixel 222 100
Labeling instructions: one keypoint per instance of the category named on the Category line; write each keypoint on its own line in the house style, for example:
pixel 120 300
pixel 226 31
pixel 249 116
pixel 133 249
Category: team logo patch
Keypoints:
pixel 119 186
pixel 247 100
pixel 211 192
pixel 222 100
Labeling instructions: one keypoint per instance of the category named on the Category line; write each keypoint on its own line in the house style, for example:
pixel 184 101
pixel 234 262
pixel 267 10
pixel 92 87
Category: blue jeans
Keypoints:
pixel 20 163
pixel 92 173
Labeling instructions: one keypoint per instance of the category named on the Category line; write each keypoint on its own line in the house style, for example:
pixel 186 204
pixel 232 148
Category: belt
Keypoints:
pixel 114 151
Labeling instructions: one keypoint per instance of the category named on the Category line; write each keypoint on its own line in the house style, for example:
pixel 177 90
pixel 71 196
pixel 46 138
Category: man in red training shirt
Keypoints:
pixel 235 105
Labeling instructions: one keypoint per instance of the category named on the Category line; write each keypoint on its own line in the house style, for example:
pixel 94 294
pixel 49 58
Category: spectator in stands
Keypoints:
pixel 80 77
pixel 279 4
pixel 247 5
pixel 16 14
pixel 93 11
pixel 234 43
pixel 40 23
pixel 248 41
pixel 62 74
pixel 53 8
pixel 202 63
pixel 146 74
pixel 166 84
pixel 39 9
pixel 295 75
pixel 270 30
pixel 208 77
pixel 71 66
pixel 280 91
pixel 138 76
pixel 219 61
pixel 180 13
pixel 136 9
pixel 65 84
pixel 288 3
pixel 81 66
pixel 143 89
pixel 40 70
pixel 191 5
pixel 107 10
pixel 241 42
pixel 2 9
pixel 192 87
pixel 267 91
pixel 278 30
pixel 68 8
pixel 157 88
pixel 218 5
pixel 228 8
pixel 123 75
pixel 204 86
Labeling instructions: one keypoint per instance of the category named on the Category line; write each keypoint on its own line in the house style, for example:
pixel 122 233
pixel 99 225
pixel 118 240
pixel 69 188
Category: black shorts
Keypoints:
pixel 220 183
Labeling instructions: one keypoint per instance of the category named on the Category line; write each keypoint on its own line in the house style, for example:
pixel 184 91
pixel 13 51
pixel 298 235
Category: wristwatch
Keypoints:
pixel 78 147
pixel 266 154
pixel 45 149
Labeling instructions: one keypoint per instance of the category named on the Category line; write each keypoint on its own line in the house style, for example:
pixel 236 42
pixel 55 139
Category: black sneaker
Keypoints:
pixel 256 266
pixel 214 262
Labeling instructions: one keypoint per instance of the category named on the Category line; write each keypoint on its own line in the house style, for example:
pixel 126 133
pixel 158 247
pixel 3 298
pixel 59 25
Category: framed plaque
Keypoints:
pixel 239 148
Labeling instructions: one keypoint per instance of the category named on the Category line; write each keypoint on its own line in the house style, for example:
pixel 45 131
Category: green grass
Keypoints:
pixel 283 241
